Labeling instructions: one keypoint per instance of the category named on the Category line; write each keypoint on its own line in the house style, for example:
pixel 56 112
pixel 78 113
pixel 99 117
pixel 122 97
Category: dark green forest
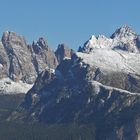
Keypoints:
pixel 18 131
pixel 13 131
pixel 8 103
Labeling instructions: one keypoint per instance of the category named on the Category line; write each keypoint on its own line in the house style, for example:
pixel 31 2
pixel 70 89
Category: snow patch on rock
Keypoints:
pixel 98 85
pixel 8 86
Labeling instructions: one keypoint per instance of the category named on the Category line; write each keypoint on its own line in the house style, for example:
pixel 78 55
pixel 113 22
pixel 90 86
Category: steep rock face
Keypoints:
pixel 4 62
pixel 22 62
pixel 21 67
pixel 42 56
pixel 63 52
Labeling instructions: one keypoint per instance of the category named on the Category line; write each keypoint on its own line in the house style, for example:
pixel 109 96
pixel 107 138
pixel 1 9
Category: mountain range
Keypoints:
pixel 99 84
pixel 20 63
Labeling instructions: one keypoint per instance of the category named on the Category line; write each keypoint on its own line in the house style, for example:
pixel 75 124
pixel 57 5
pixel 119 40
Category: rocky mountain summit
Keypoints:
pixel 21 62
pixel 100 84
pixel 123 38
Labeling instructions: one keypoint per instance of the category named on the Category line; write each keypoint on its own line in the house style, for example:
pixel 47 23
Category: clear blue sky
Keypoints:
pixel 69 21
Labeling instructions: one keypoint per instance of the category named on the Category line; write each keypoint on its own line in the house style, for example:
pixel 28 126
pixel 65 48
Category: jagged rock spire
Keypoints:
pixel 63 51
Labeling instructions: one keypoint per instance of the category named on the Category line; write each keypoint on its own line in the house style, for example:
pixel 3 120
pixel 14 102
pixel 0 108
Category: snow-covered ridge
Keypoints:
pixel 119 53
pixel 97 86
pixel 8 86
pixel 124 39
pixel 111 60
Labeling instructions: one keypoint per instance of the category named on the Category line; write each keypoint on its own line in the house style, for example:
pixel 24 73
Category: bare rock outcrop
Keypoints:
pixel 24 62
pixel 62 52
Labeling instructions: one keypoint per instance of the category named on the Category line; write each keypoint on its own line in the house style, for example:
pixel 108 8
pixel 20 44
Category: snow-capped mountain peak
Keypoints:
pixel 124 39
pixel 123 32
